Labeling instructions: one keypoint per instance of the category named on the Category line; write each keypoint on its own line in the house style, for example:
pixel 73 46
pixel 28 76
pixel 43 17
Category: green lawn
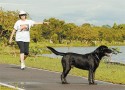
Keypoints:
pixel 5 88
pixel 105 72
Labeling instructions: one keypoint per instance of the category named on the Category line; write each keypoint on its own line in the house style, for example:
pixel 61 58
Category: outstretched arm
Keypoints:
pixel 42 23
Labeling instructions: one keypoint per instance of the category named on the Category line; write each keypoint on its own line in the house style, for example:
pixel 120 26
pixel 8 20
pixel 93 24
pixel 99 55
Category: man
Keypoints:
pixel 22 30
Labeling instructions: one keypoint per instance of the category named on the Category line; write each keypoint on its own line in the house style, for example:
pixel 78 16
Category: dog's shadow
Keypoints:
pixel 85 84
pixel 71 83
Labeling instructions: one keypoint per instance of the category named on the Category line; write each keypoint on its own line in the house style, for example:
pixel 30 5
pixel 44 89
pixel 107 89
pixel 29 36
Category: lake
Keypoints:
pixel 120 57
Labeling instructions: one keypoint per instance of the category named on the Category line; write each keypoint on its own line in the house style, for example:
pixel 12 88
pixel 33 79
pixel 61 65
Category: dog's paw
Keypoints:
pixel 65 83
pixel 92 83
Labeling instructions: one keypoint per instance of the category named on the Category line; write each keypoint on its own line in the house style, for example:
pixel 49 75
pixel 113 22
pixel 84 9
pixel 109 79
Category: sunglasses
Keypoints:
pixel 22 15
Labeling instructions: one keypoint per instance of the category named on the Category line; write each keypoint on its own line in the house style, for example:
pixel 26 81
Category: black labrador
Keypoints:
pixel 89 61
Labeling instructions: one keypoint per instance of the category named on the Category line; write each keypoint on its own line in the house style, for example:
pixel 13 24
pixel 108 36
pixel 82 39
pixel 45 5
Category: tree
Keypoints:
pixel 121 26
pixel 36 32
pixel 55 27
pixel 115 26
pixel 68 31
pixel 7 20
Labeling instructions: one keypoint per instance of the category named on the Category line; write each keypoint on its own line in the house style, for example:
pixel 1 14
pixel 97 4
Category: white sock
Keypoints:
pixel 22 65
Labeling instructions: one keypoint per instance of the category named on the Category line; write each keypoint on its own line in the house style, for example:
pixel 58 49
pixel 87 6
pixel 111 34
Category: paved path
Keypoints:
pixel 34 79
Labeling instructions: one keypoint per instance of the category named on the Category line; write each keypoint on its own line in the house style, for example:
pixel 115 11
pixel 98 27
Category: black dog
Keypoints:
pixel 88 61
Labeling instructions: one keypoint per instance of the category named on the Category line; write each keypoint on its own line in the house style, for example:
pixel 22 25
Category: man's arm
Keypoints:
pixel 11 36
pixel 42 23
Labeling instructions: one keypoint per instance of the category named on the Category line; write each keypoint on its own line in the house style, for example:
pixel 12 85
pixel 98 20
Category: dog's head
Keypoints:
pixel 103 51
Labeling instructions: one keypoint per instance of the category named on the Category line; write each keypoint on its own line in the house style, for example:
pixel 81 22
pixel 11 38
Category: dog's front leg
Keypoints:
pixel 90 77
pixel 93 78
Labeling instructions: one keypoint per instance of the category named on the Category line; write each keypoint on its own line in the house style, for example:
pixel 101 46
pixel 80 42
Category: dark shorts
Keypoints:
pixel 24 47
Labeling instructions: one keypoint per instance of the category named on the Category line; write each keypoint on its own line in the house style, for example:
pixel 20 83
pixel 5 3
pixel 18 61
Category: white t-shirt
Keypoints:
pixel 23 30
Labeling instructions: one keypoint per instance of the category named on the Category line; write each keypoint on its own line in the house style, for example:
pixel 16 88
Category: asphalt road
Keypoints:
pixel 34 79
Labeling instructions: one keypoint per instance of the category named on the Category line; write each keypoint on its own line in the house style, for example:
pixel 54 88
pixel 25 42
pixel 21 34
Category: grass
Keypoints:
pixel 5 88
pixel 106 72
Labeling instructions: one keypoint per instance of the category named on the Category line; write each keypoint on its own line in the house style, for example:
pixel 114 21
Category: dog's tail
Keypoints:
pixel 56 52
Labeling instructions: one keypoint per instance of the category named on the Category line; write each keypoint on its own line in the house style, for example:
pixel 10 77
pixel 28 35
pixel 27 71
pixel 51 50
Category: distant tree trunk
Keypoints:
pixel 1 29
pixel 59 38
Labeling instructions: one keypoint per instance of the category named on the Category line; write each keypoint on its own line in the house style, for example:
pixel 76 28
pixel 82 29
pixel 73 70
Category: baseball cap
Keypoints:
pixel 22 12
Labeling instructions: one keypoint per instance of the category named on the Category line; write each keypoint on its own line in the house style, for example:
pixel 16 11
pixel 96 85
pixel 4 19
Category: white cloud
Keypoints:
pixel 12 4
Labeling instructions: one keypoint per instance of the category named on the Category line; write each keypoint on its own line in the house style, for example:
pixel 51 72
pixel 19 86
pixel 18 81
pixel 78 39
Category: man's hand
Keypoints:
pixel 23 27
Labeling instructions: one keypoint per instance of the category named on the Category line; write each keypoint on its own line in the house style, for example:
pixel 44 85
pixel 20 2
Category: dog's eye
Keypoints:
pixel 103 49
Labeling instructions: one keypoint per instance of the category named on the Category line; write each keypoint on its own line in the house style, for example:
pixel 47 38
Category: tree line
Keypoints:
pixel 58 30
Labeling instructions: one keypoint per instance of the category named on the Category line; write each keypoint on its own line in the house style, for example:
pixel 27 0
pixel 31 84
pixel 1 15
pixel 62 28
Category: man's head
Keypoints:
pixel 22 14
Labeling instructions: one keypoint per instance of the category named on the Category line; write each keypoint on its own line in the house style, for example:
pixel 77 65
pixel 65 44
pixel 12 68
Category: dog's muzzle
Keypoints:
pixel 108 54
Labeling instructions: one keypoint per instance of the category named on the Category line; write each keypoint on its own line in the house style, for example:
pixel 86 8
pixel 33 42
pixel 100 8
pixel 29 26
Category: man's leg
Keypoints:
pixel 22 57
pixel 22 61
pixel 26 48
pixel 21 47
pixel 25 56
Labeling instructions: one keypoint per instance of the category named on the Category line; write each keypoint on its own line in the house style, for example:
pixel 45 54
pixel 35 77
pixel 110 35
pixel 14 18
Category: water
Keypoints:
pixel 120 57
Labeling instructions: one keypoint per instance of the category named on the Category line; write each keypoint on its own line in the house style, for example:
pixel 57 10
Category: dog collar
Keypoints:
pixel 97 56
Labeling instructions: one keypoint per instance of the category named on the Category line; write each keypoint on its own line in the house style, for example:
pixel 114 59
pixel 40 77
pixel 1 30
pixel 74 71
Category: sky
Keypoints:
pixel 96 12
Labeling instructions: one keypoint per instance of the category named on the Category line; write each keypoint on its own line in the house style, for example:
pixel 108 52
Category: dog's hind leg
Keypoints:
pixel 63 76
pixel 66 69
